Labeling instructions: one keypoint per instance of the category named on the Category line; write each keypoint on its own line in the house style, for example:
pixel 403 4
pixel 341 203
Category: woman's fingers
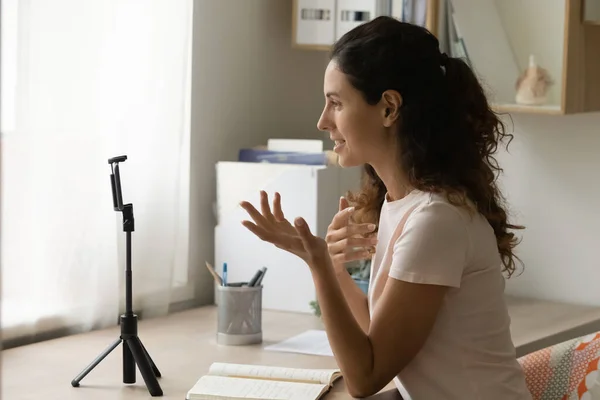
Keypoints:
pixel 303 230
pixel 352 230
pixel 341 218
pixel 254 213
pixel 285 242
pixel 343 203
pixel 361 241
pixel 265 215
pixel 264 206
pixel 272 227
pixel 277 211
pixel 355 255
pixel 349 245
pixel 259 231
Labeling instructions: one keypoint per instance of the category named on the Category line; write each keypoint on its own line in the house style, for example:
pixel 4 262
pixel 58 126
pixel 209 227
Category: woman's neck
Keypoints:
pixel 394 180
pixel 388 169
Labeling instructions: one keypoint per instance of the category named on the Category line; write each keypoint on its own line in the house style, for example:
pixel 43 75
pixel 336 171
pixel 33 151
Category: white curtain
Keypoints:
pixel 91 80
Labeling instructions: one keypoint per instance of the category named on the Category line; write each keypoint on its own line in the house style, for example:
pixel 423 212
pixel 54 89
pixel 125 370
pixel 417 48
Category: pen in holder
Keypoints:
pixel 239 314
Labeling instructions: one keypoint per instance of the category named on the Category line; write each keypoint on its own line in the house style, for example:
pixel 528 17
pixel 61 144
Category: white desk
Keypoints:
pixel 183 346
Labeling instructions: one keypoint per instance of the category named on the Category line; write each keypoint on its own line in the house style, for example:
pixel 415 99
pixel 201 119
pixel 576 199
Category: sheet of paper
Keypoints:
pixel 313 342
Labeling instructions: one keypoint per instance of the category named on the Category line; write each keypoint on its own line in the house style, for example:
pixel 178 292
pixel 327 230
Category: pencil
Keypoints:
pixel 214 274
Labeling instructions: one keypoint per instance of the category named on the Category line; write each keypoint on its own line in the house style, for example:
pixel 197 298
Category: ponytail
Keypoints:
pixel 472 112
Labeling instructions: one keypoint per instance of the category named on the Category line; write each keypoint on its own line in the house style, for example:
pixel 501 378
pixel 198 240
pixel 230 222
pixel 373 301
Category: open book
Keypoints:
pixel 240 381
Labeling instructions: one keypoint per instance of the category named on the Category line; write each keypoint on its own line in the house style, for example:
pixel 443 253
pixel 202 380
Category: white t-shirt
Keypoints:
pixel 469 353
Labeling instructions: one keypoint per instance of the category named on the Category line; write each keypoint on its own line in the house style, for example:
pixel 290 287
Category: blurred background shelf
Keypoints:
pixel 519 108
pixel 496 37
pixel 317 24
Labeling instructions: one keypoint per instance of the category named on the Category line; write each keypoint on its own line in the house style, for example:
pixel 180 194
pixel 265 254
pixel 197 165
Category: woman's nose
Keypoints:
pixel 324 123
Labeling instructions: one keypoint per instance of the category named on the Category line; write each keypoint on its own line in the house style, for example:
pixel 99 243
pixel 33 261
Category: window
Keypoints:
pixel 8 66
pixel 115 80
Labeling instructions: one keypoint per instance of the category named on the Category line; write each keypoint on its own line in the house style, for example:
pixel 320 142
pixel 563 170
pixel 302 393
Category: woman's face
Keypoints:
pixel 356 127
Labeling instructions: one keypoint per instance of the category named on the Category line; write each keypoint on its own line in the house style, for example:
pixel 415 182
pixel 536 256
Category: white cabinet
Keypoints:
pixel 314 22
pixel 317 24
pixel 352 13
pixel 312 192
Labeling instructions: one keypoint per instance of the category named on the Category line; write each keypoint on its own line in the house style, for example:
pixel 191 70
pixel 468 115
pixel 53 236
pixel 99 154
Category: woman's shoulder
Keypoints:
pixel 442 206
pixel 429 207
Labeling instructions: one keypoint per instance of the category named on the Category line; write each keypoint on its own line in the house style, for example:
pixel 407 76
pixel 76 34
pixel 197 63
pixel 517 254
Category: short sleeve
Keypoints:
pixel 433 247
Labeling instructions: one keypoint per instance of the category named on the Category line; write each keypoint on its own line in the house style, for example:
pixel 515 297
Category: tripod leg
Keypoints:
pixel 78 378
pixel 128 365
pixel 144 366
pixel 154 368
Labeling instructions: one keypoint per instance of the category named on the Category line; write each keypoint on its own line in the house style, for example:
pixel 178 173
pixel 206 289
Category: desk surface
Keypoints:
pixel 183 346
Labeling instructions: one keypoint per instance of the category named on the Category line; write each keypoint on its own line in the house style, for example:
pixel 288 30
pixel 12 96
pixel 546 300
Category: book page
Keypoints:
pixel 210 386
pixel 323 376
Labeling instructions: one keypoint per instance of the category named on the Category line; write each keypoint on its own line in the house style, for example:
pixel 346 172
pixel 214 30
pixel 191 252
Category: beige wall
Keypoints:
pixel 248 85
pixel 552 181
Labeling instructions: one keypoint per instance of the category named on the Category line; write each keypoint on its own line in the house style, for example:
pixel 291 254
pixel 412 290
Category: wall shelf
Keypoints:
pixel 317 24
pixel 498 35
pixel 505 33
pixel 518 108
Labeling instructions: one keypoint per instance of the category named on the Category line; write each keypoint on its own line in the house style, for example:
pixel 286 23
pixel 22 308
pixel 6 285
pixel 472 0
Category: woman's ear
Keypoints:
pixel 391 101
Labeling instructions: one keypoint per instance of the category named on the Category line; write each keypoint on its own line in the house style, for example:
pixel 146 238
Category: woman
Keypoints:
pixel 435 320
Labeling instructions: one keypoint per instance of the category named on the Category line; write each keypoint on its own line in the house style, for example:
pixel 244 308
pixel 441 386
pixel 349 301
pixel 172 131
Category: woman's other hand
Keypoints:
pixel 274 228
pixel 347 241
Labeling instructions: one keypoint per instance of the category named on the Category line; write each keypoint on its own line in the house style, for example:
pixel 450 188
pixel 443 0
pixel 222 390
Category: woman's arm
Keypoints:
pixel 370 360
pixel 432 250
pixel 350 242
pixel 356 298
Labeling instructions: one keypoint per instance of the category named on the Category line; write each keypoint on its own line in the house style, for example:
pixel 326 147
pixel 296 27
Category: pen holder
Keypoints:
pixel 239 315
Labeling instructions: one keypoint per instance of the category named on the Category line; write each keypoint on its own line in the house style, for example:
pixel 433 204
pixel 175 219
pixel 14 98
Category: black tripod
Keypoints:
pixel 134 351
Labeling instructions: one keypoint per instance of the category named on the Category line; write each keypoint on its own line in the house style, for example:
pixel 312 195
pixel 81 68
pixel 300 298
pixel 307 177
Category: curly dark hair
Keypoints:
pixel 447 133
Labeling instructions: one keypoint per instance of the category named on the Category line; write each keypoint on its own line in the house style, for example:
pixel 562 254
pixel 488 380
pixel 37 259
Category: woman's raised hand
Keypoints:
pixel 346 241
pixel 274 228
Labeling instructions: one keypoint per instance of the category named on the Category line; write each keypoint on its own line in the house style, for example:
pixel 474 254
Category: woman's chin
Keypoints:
pixel 347 162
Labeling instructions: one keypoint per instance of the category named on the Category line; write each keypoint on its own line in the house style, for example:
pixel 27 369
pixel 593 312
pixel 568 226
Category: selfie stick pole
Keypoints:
pixel 134 351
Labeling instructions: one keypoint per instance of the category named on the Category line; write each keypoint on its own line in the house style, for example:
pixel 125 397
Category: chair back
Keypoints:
pixel 565 371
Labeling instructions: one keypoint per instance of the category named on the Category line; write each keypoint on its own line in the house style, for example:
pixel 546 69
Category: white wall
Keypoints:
pixel 552 181
pixel 248 85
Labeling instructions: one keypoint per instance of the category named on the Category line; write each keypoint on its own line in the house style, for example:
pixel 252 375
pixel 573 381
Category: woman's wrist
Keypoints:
pixel 340 270
pixel 325 272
